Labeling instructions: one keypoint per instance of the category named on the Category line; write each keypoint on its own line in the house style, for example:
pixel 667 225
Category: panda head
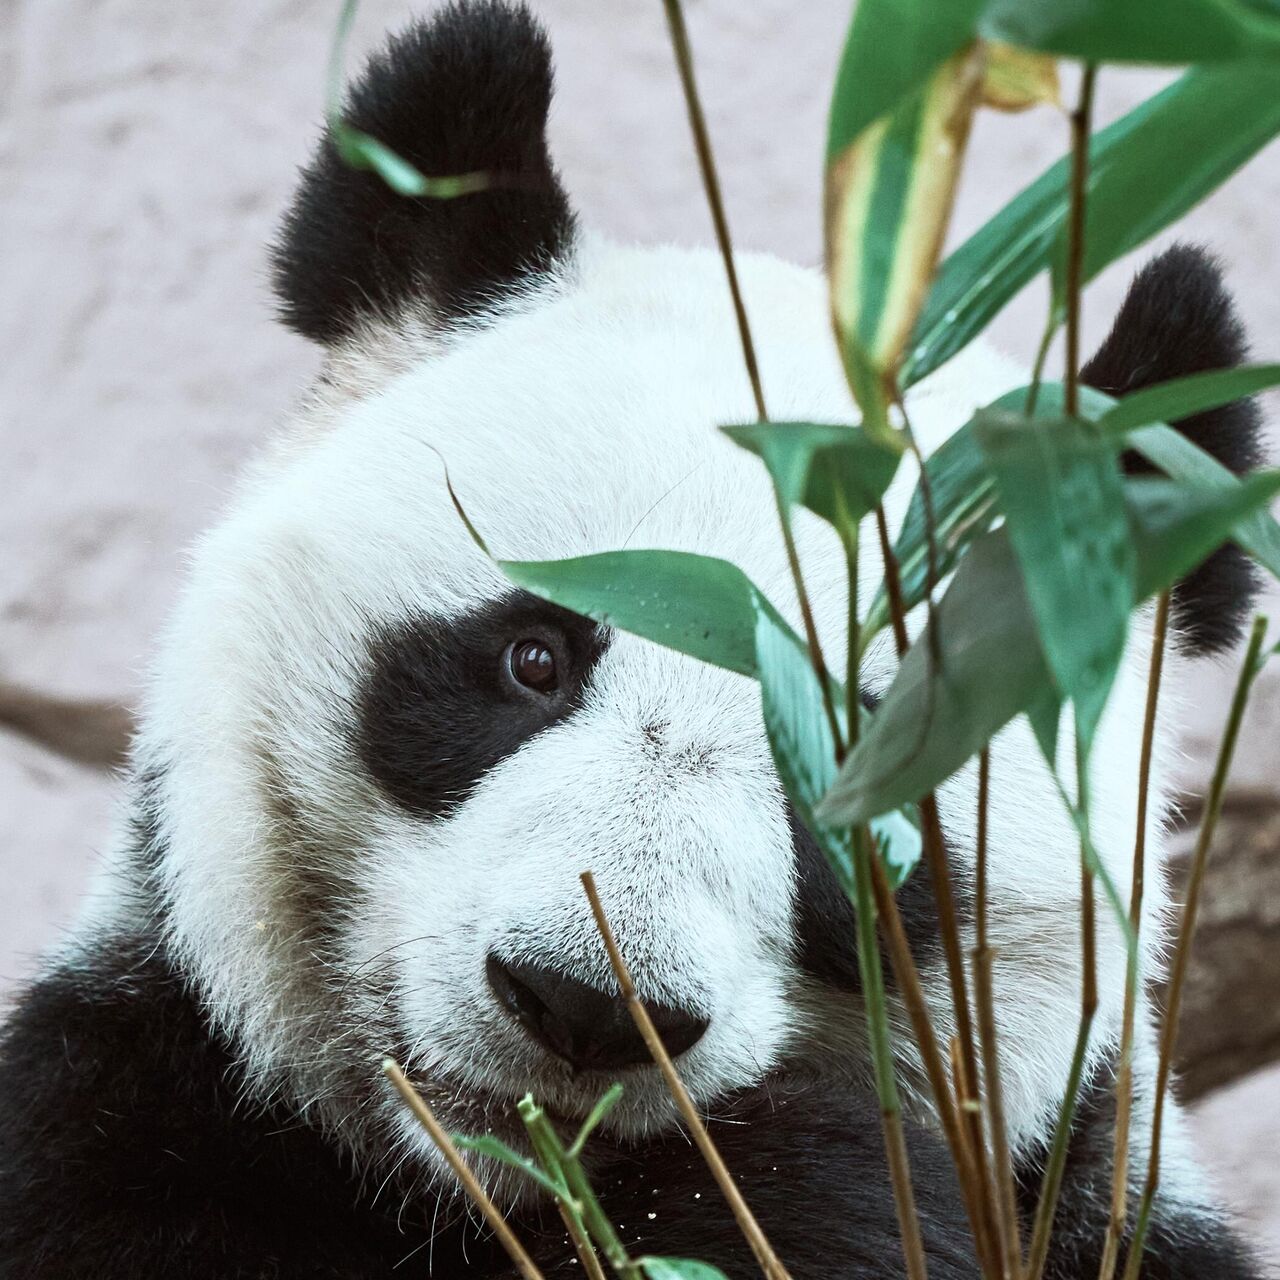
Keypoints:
pixel 372 770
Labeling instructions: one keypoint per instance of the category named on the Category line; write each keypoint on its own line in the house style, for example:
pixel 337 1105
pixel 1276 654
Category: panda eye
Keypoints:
pixel 532 664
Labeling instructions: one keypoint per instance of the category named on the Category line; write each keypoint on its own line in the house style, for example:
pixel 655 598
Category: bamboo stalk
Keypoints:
pixel 583 1205
pixel 711 185
pixel 882 1058
pixel 760 1246
pixel 1124 1076
pixel 1051 1185
pixel 724 241
pixel 866 866
pixel 1005 1196
pixel 546 1146
pixel 1199 861
pixel 935 856
pixel 461 1170
pixel 908 978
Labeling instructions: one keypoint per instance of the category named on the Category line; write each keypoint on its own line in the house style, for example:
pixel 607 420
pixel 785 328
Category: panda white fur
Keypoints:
pixel 370 773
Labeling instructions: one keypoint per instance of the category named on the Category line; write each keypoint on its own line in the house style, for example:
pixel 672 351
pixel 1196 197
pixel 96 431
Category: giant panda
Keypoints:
pixel 369 773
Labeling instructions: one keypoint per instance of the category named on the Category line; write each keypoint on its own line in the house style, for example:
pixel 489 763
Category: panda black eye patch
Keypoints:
pixel 442 701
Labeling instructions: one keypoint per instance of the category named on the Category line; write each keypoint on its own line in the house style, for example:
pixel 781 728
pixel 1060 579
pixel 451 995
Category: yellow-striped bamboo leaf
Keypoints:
pixel 888 199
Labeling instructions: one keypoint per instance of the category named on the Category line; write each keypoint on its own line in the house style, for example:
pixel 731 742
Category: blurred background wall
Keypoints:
pixel 146 151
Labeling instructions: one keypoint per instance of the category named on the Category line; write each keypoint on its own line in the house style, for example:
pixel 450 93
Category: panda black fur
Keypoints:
pixel 345 814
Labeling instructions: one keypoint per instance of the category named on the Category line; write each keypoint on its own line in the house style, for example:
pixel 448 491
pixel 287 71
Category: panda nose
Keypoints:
pixel 589 1028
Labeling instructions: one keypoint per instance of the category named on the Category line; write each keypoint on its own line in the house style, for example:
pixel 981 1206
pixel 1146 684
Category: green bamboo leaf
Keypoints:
pixel 964 503
pixel 839 473
pixel 892 48
pixel 804 756
pixel 1043 714
pixel 607 1102
pixel 1180 459
pixel 934 717
pixel 678 1269
pixel 964 494
pixel 1177 31
pixel 1181 397
pixel 361 151
pixel 1175 524
pixel 1059 486
pixel 889 192
pixel 487 1145
pixel 695 604
pixel 1207 124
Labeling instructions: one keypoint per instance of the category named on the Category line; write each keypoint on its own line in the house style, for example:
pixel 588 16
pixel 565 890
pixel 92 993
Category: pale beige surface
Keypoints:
pixel 147 149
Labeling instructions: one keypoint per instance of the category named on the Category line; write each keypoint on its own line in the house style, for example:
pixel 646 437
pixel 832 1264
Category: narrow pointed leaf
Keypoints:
pixel 1177 31
pixel 1175 524
pixel 839 473
pixel 608 1100
pixel 1044 713
pixel 888 200
pixel 678 1269
pixel 934 718
pixel 804 756
pixel 699 605
pixel 1182 397
pixel 1209 122
pixel 1059 486
pixel 1180 459
pixel 487 1145
pixel 361 151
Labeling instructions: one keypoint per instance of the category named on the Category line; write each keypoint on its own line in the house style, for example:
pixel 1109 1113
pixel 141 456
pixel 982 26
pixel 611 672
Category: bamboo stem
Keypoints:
pixel 935 856
pixel 1051 1186
pixel 1005 1197
pixel 461 1170
pixel 867 869
pixel 760 1246
pixel 711 184
pixel 1124 1075
pixel 882 1057
pixel 724 241
pixel 554 1159
pixel 1199 861
pixel 908 978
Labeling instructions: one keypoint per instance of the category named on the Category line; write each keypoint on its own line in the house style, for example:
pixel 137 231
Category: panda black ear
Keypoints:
pixel 1178 319
pixel 467 90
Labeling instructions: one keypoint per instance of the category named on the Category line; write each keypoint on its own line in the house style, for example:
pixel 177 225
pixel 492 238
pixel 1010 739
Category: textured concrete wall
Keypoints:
pixel 146 152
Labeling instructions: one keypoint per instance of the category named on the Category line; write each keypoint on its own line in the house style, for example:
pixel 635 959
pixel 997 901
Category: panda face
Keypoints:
pixel 387 767
pixel 374 770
